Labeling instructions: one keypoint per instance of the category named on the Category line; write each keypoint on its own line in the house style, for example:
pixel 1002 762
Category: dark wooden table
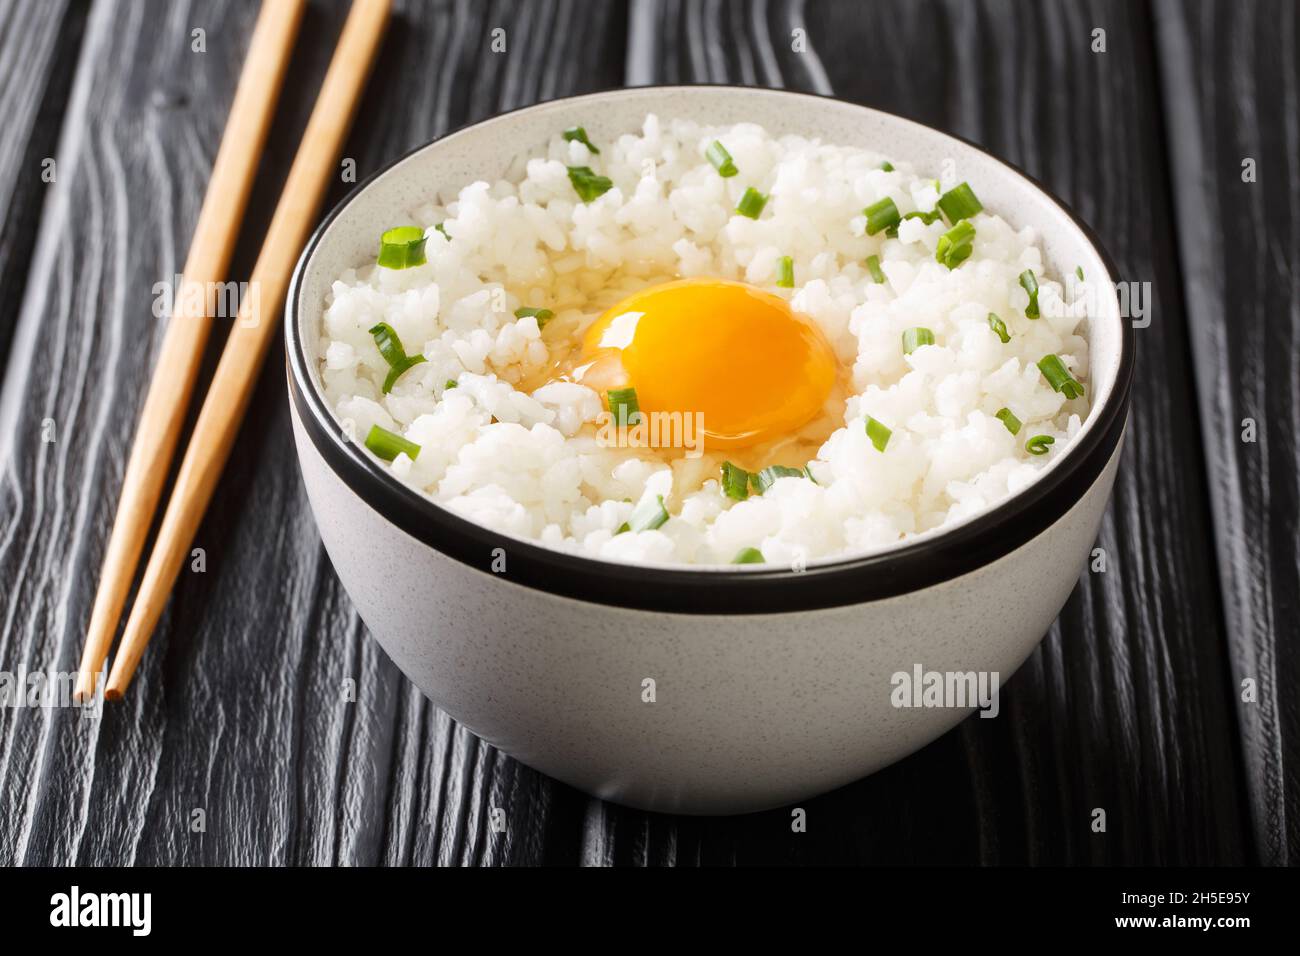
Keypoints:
pixel 1165 694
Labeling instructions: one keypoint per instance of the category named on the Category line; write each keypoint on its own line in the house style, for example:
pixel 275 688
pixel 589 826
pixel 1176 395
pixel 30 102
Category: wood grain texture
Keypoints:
pixel 1223 64
pixel 239 707
pixel 39 40
pixel 176 365
pixel 222 410
pixel 1124 707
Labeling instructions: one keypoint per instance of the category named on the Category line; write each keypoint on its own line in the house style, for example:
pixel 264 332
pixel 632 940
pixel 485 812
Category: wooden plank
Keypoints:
pixel 1234 167
pixel 721 41
pixel 1123 707
pixel 239 710
pixel 38 47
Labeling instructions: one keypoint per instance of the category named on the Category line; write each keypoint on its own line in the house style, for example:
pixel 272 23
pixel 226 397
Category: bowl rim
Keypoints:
pixel 913 565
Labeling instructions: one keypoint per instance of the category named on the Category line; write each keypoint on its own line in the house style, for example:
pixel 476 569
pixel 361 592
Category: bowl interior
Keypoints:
pixel 438 171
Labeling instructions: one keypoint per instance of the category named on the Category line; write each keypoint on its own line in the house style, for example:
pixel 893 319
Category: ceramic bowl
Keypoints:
pixel 709 690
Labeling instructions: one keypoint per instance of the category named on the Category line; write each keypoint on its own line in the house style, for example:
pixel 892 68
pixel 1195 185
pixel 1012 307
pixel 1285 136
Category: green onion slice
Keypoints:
pixel 450 383
pixel 390 347
pixel 624 407
pixel 959 203
pixel 576 134
pixel 587 184
pixel 388 446
pixel 541 315
pixel 1078 271
pixel 1038 445
pixel 913 339
pixel 785 272
pixel 721 159
pixel 401 248
pixel 1000 327
pixel 1059 377
pixel 873 266
pixel 396 372
pixel 735 481
pixel 956 245
pixel 881 215
pixel 1030 284
pixel 748 556
pixel 926 217
pixel 887 166
pixel 1009 419
pixel 878 433
pixel 766 478
pixel 648 515
pixel 752 203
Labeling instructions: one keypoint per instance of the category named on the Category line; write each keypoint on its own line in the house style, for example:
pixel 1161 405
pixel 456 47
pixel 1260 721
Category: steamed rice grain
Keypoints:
pixel 509 450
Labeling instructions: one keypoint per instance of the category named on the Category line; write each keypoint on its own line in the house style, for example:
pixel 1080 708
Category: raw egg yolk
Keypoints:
pixel 753 366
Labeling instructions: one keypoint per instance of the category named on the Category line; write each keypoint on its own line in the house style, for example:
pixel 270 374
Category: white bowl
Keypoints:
pixel 770 684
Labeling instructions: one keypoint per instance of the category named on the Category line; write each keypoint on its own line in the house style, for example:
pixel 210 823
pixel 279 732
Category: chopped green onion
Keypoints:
pixel 576 134
pixel 623 527
pixel 388 446
pixel 1059 377
pixel 752 203
pixel 648 515
pixel 1030 285
pixel 1000 327
pixel 891 232
pixel 913 339
pixel 926 217
pixel 402 247
pixel 1078 271
pixel 1009 419
pixel 587 184
pixel 785 272
pixel 878 433
pixel 442 228
pixel 748 556
pixel 873 266
pixel 959 203
pixel 887 166
pixel 541 315
pixel 450 383
pixel 766 478
pixel 624 407
pixel 390 347
pixel 735 481
pixel 721 159
pixel 881 215
pixel 956 245
pixel 1038 444
pixel 396 372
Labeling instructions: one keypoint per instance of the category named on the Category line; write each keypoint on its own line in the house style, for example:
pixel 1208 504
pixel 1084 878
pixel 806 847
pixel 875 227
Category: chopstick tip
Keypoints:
pixel 85 687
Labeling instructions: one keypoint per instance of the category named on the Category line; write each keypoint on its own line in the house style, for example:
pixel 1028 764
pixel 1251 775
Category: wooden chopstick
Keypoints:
pixel 232 385
pixel 182 346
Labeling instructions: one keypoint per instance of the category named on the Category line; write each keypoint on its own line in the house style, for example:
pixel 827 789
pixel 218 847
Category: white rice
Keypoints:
pixel 530 465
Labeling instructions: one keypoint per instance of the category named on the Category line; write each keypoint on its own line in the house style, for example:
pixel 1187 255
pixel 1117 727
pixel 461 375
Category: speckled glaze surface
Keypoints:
pixel 749 710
